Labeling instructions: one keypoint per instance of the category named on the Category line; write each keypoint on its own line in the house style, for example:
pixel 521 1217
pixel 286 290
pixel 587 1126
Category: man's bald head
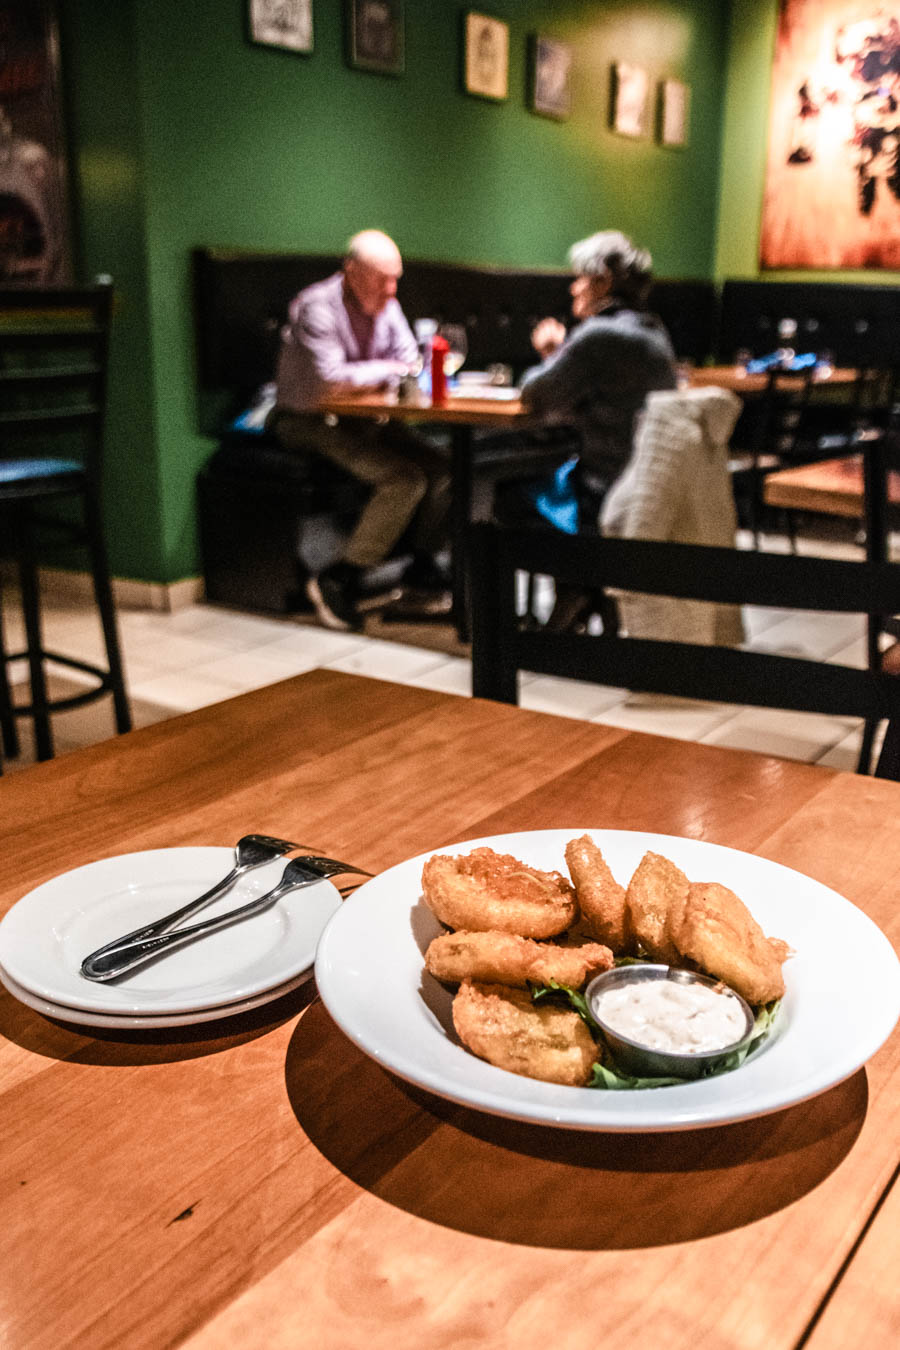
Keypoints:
pixel 372 268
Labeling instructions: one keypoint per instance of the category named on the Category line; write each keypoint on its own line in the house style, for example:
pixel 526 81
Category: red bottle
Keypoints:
pixel 439 349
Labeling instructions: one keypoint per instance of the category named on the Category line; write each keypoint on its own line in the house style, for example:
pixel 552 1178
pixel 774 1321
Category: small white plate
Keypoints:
pixel 499 393
pixel 841 1004
pixel 48 933
pixel 147 1022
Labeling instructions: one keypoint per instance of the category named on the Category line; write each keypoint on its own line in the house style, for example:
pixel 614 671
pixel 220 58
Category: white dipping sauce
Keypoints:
pixel 687 1019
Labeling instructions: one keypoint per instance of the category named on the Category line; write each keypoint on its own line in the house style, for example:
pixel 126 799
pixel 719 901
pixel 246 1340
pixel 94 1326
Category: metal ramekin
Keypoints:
pixel 640 1061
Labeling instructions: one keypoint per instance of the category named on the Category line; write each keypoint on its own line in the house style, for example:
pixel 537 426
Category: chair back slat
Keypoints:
pixel 502 645
pixel 54 346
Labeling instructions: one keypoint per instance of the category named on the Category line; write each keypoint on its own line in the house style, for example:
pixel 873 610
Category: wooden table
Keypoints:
pixel 259 1183
pixel 833 486
pixel 740 382
pixel 462 416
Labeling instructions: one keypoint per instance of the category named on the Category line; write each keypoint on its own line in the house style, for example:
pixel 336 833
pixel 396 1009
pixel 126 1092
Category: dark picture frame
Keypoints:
pixel 485 66
pixel 630 100
pixel 549 77
pixel 376 36
pixel 35 218
pixel 286 25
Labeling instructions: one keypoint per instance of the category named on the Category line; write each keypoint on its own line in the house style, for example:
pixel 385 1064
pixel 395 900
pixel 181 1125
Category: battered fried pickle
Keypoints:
pixel 503 1026
pixel 719 933
pixel 654 904
pixel 505 958
pixel 487 891
pixel 600 897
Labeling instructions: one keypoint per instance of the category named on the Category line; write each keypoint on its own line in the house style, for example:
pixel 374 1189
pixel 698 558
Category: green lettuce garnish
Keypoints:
pixel 606 1073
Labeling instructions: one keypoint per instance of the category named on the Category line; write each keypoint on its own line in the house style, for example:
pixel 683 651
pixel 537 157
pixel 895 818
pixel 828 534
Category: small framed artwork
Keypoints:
pixel 376 38
pixel 630 96
pixel 550 67
pixel 674 112
pixel 287 24
pixel 486 56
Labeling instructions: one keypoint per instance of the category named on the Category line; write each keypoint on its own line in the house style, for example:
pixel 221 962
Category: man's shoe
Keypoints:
pixel 426 574
pixel 334 603
pixel 416 604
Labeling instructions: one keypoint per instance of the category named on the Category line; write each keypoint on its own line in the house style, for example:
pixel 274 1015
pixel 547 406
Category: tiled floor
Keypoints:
pixel 202 654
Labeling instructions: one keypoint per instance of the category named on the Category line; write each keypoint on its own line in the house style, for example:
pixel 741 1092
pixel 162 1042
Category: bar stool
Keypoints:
pixel 54 347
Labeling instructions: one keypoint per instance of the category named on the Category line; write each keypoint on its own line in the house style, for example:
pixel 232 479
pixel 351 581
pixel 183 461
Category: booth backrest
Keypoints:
pixel 241 300
pixel 860 324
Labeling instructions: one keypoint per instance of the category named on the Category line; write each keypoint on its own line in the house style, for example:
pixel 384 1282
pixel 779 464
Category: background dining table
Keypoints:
pixel 259 1182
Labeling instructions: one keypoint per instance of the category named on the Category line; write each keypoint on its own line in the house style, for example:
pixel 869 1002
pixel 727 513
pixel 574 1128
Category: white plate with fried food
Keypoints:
pixel 841 999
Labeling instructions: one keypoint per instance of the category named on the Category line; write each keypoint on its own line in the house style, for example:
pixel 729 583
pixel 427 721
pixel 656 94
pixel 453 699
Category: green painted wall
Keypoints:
pixel 745 124
pixel 186 134
pixel 108 208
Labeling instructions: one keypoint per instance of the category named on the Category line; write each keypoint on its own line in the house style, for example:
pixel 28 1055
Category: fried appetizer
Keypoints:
pixel 506 958
pixel 719 933
pixel 503 1026
pixel 485 891
pixel 600 897
pixel 654 904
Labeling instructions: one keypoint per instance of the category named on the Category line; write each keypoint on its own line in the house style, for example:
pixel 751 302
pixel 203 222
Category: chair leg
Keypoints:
pixel 864 762
pixel 9 734
pixel 31 609
pixel 106 606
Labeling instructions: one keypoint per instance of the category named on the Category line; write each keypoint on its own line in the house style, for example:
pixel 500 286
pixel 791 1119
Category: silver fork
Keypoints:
pixel 253 850
pixel 110 961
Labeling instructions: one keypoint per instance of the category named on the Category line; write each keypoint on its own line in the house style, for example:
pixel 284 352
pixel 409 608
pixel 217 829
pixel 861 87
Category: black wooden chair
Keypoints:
pixel 502 645
pixel 53 371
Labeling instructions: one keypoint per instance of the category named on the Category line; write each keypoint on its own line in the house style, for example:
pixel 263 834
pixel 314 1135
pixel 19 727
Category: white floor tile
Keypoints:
pixel 682 719
pixel 315 643
pixel 183 692
pixel 170 651
pixel 812 635
pixel 568 698
pixel 388 661
pixel 254 670
pixel 451 677
pixel 773 731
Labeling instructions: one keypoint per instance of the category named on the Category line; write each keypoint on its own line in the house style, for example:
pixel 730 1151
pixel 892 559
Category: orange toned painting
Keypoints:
pixel 832 194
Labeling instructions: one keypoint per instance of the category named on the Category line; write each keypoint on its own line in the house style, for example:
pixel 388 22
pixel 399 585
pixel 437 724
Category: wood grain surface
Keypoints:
pixel 258 1182
pixel 475 412
pixel 833 486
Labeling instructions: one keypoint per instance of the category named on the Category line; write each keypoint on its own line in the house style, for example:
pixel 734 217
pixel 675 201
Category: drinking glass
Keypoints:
pixel 454 334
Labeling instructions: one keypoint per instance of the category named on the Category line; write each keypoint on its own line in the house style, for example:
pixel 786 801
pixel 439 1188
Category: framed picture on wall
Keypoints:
pixel 550 92
pixel 832 192
pixel 630 96
pixel 287 24
pixel 486 56
pixel 376 36
pixel 674 112
pixel 35 235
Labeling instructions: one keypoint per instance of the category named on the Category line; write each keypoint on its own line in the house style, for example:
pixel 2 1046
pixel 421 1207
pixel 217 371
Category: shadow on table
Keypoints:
pixel 56 1039
pixel 546 1187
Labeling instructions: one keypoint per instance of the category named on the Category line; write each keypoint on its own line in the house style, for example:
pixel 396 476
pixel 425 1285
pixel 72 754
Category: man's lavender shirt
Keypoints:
pixel 329 346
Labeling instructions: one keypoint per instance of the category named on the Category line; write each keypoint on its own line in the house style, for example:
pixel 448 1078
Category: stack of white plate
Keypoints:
pixel 45 937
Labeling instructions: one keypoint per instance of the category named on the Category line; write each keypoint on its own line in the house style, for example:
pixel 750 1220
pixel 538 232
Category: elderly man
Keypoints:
pixel 348 334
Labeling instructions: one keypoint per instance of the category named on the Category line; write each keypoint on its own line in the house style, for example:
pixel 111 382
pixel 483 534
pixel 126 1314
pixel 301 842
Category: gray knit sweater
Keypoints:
pixel 598 380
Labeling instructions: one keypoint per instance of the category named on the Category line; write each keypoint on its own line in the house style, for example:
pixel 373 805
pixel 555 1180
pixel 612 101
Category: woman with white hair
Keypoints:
pixel 596 376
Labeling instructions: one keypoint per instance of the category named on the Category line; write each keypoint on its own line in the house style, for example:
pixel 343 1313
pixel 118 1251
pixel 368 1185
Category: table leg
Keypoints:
pixel 460 518
pixel 875 509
